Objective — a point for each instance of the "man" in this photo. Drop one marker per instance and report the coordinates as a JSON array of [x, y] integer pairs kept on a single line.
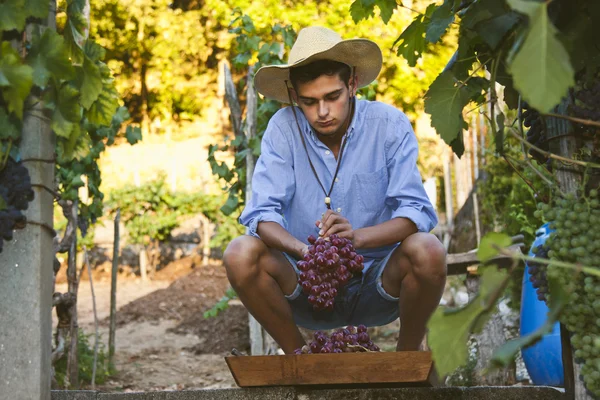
[[348, 167]]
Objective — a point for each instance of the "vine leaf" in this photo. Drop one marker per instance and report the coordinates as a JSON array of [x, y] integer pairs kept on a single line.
[[411, 42], [450, 329], [91, 82], [37, 8], [386, 9], [444, 101], [16, 78], [48, 57], [491, 20], [76, 29], [541, 68], [559, 298], [490, 244], [441, 18], [9, 128], [13, 15], [102, 110], [133, 134], [360, 10]]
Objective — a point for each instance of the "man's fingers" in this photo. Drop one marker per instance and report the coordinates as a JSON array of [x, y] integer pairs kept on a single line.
[[339, 229], [332, 220]]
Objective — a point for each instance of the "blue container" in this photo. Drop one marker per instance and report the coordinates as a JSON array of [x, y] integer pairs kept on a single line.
[[543, 360]]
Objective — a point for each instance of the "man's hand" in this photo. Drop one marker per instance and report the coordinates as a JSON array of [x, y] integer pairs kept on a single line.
[[333, 222]]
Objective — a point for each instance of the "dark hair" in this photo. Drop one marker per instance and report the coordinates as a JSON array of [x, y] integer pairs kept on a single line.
[[312, 71]]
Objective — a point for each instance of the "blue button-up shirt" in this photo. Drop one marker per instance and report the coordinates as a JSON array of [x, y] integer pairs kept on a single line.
[[378, 177]]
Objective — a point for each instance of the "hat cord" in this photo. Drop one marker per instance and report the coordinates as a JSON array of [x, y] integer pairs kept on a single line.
[[312, 167]]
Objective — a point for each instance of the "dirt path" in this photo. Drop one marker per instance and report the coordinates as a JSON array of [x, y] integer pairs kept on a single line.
[[163, 341]]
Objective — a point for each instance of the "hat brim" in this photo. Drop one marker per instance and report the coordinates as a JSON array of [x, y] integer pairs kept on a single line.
[[363, 54]]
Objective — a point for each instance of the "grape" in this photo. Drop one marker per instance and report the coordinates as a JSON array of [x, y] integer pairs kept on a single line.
[[15, 195], [576, 239], [538, 273], [325, 268], [344, 340]]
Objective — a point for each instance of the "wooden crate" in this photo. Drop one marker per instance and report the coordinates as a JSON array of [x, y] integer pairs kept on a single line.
[[407, 368]]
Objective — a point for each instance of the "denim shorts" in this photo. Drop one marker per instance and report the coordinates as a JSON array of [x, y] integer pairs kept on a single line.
[[362, 301]]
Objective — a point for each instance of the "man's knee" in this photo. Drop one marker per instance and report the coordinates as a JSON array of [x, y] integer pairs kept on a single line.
[[241, 259], [427, 255]]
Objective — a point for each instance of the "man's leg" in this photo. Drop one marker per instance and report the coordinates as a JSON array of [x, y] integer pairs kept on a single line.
[[416, 274], [262, 277]]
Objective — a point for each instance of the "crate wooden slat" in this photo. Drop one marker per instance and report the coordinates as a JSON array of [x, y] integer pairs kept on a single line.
[[407, 367]]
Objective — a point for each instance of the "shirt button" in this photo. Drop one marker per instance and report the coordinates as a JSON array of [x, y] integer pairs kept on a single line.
[[339, 210], [327, 152], [337, 179]]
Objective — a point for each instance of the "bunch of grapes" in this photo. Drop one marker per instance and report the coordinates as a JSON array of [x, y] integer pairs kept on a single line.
[[344, 340], [576, 239], [15, 195], [536, 134], [327, 267], [537, 272]]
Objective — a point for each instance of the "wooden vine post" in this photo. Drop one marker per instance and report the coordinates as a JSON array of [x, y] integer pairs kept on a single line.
[[260, 340]]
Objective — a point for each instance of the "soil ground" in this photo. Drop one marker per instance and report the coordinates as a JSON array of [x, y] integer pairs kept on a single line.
[[163, 342]]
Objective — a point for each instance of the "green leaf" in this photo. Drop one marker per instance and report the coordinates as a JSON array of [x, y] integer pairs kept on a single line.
[[488, 248], [541, 68], [491, 19], [13, 15], [499, 134], [559, 298], [91, 82], [386, 9], [444, 101], [75, 33], [68, 103], [441, 18], [449, 330], [133, 134], [60, 125], [16, 79], [231, 204], [3, 204], [94, 51], [48, 57], [37, 8], [360, 11], [411, 43], [102, 110], [9, 126]]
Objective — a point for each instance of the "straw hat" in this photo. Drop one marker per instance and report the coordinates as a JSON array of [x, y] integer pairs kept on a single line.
[[318, 43]]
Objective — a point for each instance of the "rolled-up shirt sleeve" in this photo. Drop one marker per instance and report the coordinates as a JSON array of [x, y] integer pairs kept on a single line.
[[272, 181], [406, 193]]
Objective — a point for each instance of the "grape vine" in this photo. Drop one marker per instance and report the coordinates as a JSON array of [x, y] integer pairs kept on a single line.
[[576, 239]]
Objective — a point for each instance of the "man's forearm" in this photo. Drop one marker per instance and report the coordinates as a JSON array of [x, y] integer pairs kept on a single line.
[[384, 234], [275, 236]]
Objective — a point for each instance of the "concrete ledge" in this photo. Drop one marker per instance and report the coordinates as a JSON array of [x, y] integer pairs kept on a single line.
[[298, 393]]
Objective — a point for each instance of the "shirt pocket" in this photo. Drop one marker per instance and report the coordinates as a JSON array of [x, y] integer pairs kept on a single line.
[[371, 190]]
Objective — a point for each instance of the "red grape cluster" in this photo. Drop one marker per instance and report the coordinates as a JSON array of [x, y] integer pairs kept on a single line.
[[326, 268], [345, 340]]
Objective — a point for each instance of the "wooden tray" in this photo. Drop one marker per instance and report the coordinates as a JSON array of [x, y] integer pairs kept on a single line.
[[407, 368]]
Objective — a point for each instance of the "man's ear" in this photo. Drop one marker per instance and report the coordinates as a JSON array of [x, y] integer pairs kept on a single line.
[[352, 86]]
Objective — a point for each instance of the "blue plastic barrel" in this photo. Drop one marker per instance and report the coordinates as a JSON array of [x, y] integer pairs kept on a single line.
[[543, 360]]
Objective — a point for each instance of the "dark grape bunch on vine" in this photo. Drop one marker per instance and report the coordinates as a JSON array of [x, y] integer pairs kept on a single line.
[[536, 134], [344, 340], [326, 268], [587, 106], [537, 272], [15, 195], [576, 239]]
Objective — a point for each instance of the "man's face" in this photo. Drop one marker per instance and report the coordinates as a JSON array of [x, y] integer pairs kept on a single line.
[[325, 103]]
